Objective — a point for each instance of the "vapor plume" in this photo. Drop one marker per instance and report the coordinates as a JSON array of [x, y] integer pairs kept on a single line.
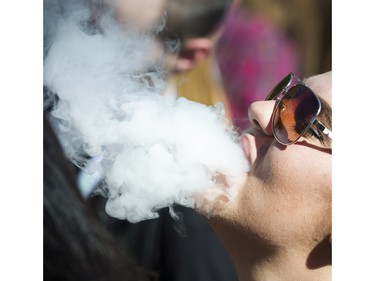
[[106, 84]]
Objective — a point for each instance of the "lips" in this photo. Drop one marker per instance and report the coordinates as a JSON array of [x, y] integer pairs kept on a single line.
[[246, 146]]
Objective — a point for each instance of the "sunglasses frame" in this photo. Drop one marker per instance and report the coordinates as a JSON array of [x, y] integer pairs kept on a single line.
[[278, 93]]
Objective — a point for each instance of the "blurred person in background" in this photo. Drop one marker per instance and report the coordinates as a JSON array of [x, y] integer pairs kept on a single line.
[[186, 249]]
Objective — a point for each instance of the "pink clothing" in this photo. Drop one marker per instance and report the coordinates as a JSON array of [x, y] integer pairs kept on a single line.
[[253, 56]]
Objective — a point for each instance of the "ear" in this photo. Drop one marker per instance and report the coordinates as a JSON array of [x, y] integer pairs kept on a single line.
[[193, 52]]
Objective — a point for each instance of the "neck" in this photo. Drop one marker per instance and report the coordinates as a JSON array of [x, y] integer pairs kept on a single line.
[[256, 260], [280, 265]]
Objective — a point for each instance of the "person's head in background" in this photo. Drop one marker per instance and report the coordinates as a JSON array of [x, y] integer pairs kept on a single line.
[[196, 24], [193, 72], [185, 28], [185, 33], [278, 226]]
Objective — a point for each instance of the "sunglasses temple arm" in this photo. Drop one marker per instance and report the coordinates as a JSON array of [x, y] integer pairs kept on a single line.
[[323, 128], [327, 132]]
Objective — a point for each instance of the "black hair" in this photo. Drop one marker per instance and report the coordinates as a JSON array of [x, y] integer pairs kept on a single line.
[[76, 245], [193, 18]]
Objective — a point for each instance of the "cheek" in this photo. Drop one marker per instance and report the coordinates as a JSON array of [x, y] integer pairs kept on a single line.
[[295, 170], [287, 193]]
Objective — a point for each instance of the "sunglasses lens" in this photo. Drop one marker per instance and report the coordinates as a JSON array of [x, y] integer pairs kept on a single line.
[[294, 113], [279, 87]]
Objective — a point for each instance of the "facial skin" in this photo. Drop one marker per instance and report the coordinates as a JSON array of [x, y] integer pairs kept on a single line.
[[142, 14], [278, 227]]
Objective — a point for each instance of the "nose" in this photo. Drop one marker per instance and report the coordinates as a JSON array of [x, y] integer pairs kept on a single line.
[[260, 114], [259, 132]]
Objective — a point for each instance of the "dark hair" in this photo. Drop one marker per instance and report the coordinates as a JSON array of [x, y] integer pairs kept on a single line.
[[193, 18], [76, 244]]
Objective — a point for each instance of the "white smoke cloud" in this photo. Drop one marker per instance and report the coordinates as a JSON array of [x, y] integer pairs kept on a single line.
[[155, 151]]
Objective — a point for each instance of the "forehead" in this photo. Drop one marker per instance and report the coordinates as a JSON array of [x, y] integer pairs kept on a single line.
[[322, 85]]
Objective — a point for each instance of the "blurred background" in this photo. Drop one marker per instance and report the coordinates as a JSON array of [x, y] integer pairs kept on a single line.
[[260, 42], [308, 23]]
